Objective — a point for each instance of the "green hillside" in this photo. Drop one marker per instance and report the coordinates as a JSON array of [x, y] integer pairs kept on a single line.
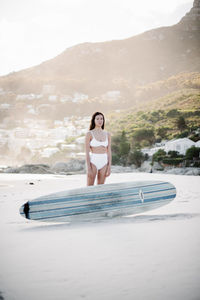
[[177, 114]]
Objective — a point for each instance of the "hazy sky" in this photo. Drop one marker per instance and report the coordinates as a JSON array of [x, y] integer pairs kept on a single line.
[[32, 31]]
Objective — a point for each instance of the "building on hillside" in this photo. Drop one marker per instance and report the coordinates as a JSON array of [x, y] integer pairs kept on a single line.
[[47, 152], [79, 97], [21, 133], [111, 95], [179, 145], [197, 144], [80, 140], [66, 98], [62, 132], [151, 151], [5, 106], [48, 89], [52, 98], [68, 147], [58, 123], [2, 91], [26, 97]]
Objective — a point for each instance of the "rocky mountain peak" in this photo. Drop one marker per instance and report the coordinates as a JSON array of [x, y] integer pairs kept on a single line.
[[191, 21], [196, 3]]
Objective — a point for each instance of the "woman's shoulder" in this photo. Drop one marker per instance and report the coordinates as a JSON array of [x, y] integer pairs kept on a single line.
[[107, 133], [89, 133]]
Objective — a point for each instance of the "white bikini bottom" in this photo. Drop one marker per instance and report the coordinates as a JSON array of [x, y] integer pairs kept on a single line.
[[99, 160]]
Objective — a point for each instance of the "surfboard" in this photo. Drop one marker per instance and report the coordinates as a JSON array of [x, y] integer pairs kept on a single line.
[[100, 201]]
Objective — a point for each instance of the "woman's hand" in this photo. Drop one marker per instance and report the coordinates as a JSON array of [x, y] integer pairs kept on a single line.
[[89, 172], [108, 171]]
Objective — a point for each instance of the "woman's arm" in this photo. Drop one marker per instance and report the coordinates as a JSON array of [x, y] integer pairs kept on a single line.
[[109, 156]]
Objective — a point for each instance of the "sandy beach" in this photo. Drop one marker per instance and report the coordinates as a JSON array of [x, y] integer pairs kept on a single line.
[[154, 255]]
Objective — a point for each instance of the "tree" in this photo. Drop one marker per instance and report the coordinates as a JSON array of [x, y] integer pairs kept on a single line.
[[115, 158], [143, 134], [120, 148], [124, 146], [162, 132], [193, 152], [136, 157], [180, 123], [172, 113], [115, 144]]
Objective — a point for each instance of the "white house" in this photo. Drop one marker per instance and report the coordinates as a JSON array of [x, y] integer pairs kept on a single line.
[[66, 98], [52, 98], [58, 123], [48, 89], [5, 106], [111, 95], [47, 152], [80, 140], [68, 147], [180, 145], [197, 144], [21, 132], [151, 151], [26, 97], [62, 132], [79, 97]]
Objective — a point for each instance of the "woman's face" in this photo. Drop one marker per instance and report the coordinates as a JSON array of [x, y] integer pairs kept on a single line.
[[99, 120]]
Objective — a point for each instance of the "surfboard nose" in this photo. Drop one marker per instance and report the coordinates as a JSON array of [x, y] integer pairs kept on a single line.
[[25, 210]]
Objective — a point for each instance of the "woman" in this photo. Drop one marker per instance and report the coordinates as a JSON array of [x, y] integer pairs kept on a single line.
[[98, 150]]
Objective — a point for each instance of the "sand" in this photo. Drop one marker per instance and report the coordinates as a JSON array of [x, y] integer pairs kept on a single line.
[[154, 255]]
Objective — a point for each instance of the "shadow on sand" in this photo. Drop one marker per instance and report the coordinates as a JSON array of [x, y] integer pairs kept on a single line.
[[111, 221], [1, 296]]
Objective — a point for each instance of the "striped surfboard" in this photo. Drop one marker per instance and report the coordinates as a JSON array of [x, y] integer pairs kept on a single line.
[[96, 202]]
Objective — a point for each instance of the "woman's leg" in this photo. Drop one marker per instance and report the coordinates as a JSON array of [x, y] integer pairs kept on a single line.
[[101, 177], [91, 178]]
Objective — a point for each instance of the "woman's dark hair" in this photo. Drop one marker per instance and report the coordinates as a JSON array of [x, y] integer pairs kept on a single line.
[[92, 123]]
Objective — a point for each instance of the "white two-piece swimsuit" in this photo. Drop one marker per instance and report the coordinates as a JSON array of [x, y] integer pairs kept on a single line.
[[98, 159]]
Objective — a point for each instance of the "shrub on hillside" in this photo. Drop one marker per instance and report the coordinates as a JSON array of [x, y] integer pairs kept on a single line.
[[193, 152], [172, 161], [174, 154], [183, 134], [162, 132], [172, 113], [159, 155]]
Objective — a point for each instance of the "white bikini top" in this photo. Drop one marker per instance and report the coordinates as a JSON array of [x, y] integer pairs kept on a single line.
[[95, 143]]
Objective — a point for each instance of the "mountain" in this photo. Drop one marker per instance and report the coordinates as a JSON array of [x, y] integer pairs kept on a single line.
[[95, 68]]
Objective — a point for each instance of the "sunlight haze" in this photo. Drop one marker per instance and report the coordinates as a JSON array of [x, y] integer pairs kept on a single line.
[[34, 31]]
